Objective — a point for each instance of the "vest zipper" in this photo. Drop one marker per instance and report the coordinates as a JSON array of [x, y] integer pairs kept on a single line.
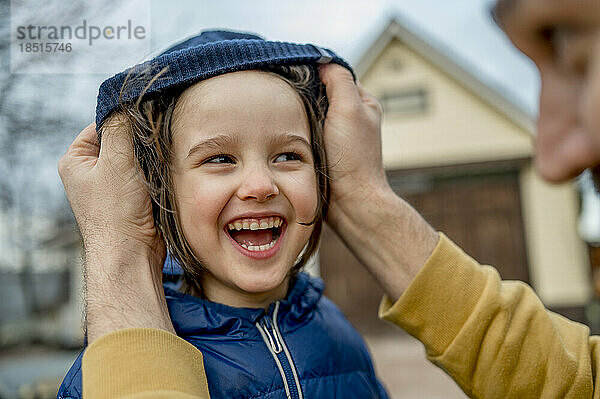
[[269, 330]]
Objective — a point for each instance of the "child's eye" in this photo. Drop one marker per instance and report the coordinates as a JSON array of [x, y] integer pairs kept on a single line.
[[288, 156], [220, 159]]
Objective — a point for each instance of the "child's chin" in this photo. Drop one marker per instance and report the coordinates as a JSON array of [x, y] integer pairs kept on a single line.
[[257, 285]]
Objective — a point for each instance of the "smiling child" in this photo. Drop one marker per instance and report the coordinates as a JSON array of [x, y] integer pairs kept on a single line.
[[244, 175], [227, 130]]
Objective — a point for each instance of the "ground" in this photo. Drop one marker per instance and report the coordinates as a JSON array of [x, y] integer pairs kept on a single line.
[[401, 366]]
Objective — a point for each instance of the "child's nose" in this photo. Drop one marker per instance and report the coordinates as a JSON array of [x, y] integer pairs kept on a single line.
[[258, 184]]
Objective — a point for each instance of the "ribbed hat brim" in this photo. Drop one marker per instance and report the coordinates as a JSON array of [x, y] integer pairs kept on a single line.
[[189, 65]]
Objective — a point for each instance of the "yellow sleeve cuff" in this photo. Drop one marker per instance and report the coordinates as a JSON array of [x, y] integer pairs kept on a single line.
[[143, 363]]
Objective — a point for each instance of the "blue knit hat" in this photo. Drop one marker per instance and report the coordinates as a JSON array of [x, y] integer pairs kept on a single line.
[[201, 57]]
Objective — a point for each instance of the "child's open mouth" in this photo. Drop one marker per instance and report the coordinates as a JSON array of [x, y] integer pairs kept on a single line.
[[256, 235]]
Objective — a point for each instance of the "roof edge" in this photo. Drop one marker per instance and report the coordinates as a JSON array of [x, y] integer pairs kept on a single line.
[[398, 28]]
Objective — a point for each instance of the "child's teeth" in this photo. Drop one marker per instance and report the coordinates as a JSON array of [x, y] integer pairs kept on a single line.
[[256, 248], [256, 224]]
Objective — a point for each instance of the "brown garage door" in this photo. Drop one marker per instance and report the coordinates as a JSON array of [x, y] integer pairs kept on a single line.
[[477, 206]]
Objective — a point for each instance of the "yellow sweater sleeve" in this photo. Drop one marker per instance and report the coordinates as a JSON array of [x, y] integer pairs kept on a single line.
[[143, 363], [494, 337]]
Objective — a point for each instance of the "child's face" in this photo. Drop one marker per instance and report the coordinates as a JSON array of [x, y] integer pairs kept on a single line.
[[242, 158]]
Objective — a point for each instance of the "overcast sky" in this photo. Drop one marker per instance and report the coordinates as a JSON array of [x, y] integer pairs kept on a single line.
[[463, 28]]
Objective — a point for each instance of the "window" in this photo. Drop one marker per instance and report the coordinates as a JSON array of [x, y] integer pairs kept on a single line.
[[395, 64], [405, 102]]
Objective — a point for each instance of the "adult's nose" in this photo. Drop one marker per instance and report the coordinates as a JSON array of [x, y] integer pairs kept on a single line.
[[257, 183], [564, 144]]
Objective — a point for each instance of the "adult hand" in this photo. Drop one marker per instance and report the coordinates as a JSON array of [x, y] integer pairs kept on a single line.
[[385, 233], [123, 250], [352, 136]]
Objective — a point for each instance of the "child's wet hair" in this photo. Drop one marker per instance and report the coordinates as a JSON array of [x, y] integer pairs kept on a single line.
[[149, 121]]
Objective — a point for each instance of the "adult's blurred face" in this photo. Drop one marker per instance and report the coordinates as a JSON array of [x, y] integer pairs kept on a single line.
[[562, 37]]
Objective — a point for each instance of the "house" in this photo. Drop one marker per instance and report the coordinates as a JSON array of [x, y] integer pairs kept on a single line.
[[461, 153]]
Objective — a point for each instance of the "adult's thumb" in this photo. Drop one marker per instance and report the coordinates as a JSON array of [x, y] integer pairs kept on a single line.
[[116, 147]]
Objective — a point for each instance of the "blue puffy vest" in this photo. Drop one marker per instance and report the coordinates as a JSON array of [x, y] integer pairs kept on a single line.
[[301, 347]]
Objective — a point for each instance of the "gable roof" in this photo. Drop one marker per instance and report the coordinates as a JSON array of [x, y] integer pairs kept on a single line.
[[433, 53]]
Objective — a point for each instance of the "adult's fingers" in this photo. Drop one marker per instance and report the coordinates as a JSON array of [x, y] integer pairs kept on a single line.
[[339, 85]]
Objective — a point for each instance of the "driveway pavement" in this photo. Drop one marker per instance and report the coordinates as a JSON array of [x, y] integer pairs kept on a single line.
[[401, 366]]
